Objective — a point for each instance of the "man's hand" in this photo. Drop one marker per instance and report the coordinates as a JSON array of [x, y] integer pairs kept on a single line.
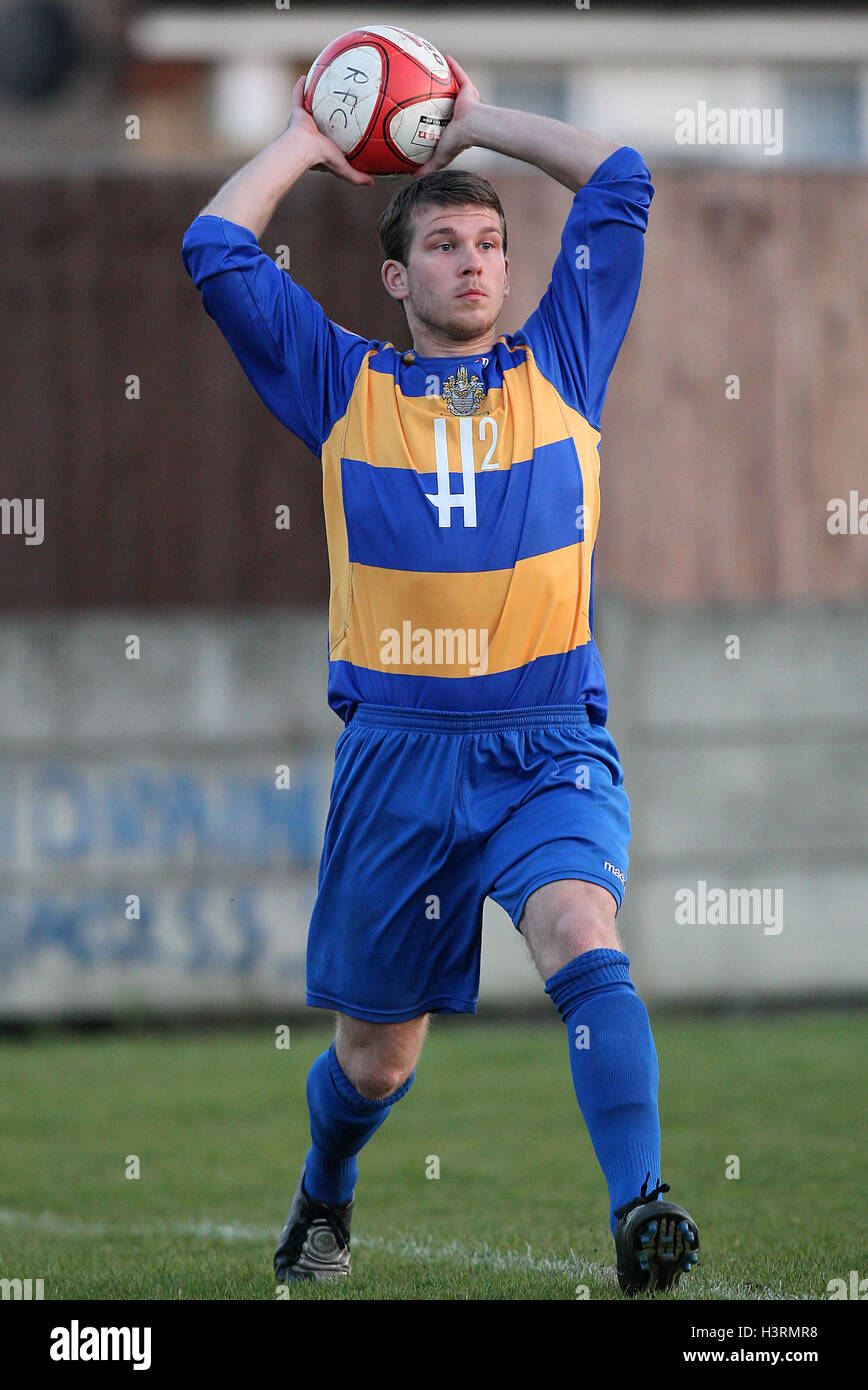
[[251, 195], [458, 134], [569, 155], [328, 157]]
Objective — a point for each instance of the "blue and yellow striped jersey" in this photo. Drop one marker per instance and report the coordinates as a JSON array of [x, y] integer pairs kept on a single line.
[[461, 494]]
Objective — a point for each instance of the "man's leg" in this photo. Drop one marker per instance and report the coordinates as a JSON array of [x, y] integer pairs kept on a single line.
[[569, 926], [350, 1090]]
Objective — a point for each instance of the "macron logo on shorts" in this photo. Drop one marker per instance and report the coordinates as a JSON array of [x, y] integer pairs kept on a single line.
[[617, 872]]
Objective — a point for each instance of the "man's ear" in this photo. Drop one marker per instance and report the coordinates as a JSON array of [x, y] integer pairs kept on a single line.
[[506, 275], [394, 276]]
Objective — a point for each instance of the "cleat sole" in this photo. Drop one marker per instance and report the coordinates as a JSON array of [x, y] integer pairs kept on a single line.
[[655, 1248]]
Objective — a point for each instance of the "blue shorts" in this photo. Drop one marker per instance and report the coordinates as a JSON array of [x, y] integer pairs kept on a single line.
[[430, 812]]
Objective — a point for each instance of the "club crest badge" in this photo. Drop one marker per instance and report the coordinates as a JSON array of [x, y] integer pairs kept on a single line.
[[463, 394]]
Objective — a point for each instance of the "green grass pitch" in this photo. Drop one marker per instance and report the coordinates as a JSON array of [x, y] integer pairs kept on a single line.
[[519, 1211]]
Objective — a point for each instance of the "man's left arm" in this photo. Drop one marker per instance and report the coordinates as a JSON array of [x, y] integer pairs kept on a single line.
[[564, 152]]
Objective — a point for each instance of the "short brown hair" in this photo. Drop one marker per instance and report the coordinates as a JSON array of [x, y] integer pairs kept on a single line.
[[444, 188]]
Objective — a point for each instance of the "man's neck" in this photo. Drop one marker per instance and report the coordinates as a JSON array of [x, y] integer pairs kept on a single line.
[[433, 351]]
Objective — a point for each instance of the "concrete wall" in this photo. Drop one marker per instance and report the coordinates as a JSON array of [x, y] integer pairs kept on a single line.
[[745, 772], [154, 779]]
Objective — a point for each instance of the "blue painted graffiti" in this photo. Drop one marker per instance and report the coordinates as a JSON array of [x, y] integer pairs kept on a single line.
[[89, 930], [74, 812]]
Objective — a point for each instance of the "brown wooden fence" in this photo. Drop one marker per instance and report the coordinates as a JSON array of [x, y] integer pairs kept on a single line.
[[170, 498]]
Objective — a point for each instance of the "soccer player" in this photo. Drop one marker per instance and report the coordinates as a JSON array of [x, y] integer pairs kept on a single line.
[[461, 494]]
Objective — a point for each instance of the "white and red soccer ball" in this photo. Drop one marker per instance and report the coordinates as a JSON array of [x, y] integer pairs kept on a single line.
[[383, 95]]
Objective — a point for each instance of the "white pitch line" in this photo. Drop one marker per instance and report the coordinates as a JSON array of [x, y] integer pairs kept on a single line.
[[403, 1245], [53, 1224], [406, 1246], [485, 1255]]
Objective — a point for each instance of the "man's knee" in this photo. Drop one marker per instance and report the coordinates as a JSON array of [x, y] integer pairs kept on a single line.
[[586, 928], [563, 920], [377, 1058], [372, 1077]]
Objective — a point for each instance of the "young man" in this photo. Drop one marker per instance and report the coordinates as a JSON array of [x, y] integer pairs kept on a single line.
[[460, 483]]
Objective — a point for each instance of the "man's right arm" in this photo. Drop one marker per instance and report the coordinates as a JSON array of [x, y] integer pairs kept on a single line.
[[250, 196], [301, 364]]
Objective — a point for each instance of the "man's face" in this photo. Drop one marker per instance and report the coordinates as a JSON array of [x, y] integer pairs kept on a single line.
[[456, 274]]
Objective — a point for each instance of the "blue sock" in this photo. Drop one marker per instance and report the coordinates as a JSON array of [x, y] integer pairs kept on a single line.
[[341, 1123], [615, 1072]]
